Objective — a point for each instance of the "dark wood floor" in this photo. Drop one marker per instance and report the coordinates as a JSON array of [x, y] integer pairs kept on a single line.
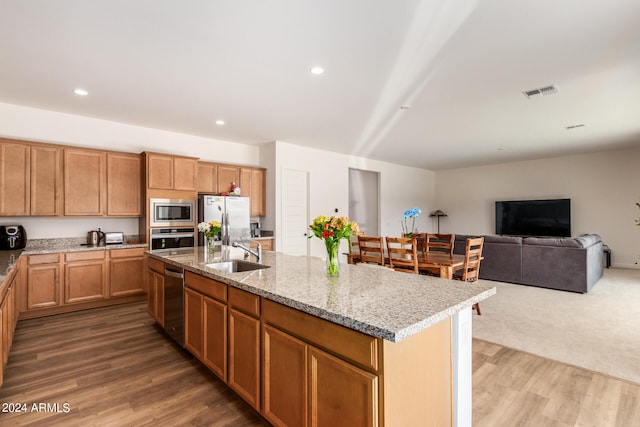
[[113, 366]]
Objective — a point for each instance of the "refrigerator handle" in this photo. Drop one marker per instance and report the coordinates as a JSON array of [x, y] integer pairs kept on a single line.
[[226, 229]]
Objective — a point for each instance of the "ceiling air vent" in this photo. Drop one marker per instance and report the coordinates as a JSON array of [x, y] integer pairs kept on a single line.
[[542, 91]]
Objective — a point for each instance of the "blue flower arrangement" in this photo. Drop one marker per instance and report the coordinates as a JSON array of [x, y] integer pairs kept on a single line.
[[411, 214]]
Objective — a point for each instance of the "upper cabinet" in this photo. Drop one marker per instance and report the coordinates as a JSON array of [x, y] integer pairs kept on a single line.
[[46, 180], [207, 178], [15, 186], [84, 182], [30, 179], [167, 172], [124, 184], [252, 184], [227, 176]]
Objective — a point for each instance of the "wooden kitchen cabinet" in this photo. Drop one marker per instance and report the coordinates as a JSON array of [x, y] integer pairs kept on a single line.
[[43, 281], [285, 385], [244, 345], [84, 182], [227, 175], [340, 393], [267, 244], [14, 179], [126, 271], [85, 276], [8, 320], [155, 290], [124, 184], [168, 172], [46, 180], [193, 322], [207, 178], [252, 184]]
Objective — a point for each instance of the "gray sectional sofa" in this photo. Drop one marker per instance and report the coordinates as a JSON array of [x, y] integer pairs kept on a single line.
[[568, 264]]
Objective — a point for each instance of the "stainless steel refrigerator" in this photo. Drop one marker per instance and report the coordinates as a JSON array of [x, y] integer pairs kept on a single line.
[[232, 212]]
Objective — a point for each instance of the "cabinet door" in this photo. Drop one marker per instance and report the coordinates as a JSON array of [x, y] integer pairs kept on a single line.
[[340, 393], [43, 286], [258, 184], [46, 180], [185, 173], [159, 171], [215, 337], [84, 182], [155, 296], [193, 322], [14, 179], [284, 379], [207, 178], [84, 277], [226, 176], [244, 356], [124, 182], [126, 274]]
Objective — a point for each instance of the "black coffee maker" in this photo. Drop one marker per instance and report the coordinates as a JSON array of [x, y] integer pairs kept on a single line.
[[12, 237]]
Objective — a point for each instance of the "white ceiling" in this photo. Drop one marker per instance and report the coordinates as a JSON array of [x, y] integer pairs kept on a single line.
[[461, 65]]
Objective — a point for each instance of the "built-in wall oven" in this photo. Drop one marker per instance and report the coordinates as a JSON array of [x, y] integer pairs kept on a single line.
[[172, 213], [172, 238]]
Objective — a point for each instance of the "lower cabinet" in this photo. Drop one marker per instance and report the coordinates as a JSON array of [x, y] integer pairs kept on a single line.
[[43, 281], [244, 356], [126, 272], [8, 319], [155, 290], [85, 277]]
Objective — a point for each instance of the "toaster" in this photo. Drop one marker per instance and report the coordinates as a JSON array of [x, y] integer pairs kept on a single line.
[[113, 238]]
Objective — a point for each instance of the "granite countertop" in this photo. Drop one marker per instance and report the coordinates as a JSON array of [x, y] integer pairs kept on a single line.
[[378, 302]]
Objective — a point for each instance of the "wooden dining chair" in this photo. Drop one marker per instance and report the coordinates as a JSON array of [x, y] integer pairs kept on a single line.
[[471, 267], [354, 257], [403, 254], [440, 243], [371, 249]]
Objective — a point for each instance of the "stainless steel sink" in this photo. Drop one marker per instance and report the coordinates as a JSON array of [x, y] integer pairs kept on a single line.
[[236, 266]]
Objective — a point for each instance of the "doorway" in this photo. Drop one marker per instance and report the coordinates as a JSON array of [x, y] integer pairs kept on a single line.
[[364, 200]]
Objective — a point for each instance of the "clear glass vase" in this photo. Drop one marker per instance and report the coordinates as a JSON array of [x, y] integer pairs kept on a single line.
[[333, 258], [209, 247]]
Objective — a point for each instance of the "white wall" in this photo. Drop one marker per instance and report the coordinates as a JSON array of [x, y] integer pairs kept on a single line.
[[401, 188], [47, 126], [603, 188]]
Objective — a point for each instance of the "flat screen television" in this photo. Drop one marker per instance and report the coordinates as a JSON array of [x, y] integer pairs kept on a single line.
[[534, 217]]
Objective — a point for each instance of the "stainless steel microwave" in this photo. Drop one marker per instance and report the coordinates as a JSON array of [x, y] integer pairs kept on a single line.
[[172, 212]]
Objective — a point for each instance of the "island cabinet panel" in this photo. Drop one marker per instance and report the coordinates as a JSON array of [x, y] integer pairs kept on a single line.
[[43, 281], [155, 290], [215, 337], [14, 179], [285, 379], [126, 272], [84, 182], [207, 178], [206, 322], [418, 377], [244, 346], [193, 322], [357, 347], [85, 277], [341, 394], [124, 185], [46, 181]]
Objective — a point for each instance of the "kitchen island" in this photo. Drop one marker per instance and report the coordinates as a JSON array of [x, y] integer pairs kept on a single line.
[[371, 347]]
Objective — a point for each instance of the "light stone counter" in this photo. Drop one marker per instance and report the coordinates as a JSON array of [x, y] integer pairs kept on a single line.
[[378, 302]]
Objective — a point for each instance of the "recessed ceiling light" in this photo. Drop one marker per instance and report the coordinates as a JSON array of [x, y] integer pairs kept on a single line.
[[317, 70], [81, 92], [220, 122]]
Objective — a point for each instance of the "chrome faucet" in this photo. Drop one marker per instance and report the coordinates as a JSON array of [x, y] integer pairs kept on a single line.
[[257, 253]]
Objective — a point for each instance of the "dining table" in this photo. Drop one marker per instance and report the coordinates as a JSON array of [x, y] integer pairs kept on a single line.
[[446, 263]]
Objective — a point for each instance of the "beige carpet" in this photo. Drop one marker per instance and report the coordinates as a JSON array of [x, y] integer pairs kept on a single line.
[[599, 330]]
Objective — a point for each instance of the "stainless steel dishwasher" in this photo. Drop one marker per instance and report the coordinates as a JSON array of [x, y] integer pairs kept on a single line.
[[174, 304]]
